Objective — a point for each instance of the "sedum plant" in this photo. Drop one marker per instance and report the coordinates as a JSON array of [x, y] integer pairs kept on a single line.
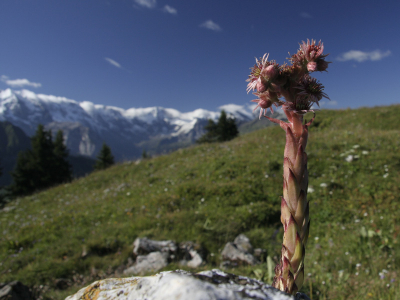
[[291, 87]]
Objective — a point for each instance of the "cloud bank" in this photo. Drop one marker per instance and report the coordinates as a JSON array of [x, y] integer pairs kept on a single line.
[[361, 56], [146, 3], [19, 82], [170, 10], [113, 62], [211, 25]]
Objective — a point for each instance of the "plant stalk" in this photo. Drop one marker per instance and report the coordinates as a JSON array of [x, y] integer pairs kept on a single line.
[[289, 272]]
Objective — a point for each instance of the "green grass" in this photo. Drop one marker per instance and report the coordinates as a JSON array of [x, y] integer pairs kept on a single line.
[[210, 193]]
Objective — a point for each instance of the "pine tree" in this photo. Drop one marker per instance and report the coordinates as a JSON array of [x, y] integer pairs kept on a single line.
[[227, 129], [62, 168], [211, 134], [24, 175], [105, 158], [43, 166], [224, 130]]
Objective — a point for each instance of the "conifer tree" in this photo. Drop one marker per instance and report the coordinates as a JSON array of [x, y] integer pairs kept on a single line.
[[43, 166], [105, 158], [224, 130], [62, 168], [211, 134]]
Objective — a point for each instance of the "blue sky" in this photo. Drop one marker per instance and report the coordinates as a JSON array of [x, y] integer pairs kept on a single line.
[[188, 54]]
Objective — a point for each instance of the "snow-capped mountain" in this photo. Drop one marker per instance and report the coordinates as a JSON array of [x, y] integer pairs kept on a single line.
[[87, 125]]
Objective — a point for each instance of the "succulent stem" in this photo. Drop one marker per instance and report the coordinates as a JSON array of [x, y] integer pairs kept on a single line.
[[289, 273]]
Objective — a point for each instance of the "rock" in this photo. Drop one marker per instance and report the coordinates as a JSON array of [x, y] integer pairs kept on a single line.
[[15, 291], [242, 242], [192, 254], [237, 254], [145, 246], [152, 262], [196, 260], [207, 285]]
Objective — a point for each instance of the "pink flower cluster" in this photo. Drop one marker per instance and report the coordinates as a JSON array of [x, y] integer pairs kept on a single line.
[[273, 82]]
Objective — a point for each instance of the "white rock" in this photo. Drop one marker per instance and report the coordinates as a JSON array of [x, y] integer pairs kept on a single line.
[[145, 246], [152, 262], [207, 285], [196, 260]]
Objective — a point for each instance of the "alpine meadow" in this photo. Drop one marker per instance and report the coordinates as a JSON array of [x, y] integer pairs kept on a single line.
[[210, 193]]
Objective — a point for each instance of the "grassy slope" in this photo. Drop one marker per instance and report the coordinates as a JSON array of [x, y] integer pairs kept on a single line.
[[355, 218]]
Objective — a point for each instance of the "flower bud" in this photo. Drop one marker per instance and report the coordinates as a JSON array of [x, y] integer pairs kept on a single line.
[[269, 72], [312, 66], [260, 86]]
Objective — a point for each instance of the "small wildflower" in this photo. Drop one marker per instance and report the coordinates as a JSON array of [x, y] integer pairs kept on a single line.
[[365, 214], [358, 265], [349, 158], [356, 146], [364, 152], [346, 253], [385, 175], [310, 189], [357, 221], [316, 238], [323, 185]]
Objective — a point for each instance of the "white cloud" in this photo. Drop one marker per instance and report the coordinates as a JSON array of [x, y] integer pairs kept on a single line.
[[113, 62], [19, 82], [361, 56], [325, 103], [170, 10], [211, 25], [305, 15], [146, 3]]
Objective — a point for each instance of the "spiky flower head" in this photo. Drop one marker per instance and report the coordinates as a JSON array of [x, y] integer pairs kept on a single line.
[[262, 73], [310, 56], [266, 100], [311, 90], [312, 51], [291, 82]]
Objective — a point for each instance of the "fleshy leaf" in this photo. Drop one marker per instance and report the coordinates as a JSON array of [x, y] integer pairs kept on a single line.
[[304, 138], [299, 277], [298, 254], [297, 125], [304, 181], [299, 166], [301, 208], [290, 235], [285, 213], [305, 233], [293, 191], [290, 147], [287, 165]]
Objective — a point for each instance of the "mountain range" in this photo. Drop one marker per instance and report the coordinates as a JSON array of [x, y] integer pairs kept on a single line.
[[128, 132]]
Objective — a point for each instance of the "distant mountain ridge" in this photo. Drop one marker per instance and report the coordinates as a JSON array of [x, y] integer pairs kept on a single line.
[[128, 132]]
